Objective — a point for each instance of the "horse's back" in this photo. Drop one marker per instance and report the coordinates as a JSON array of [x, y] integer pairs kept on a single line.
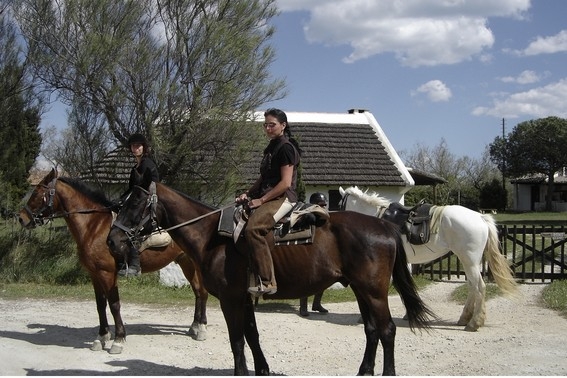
[[460, 223]]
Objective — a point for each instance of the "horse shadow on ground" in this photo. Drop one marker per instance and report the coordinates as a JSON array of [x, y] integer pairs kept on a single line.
[[134, 367], [346, 319], [82, 337]]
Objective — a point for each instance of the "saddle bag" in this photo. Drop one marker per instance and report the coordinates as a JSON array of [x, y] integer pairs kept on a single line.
[[418, 226], [413, 222]]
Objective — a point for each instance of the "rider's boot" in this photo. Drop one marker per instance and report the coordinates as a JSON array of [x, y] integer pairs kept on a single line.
[[133, 266], [316, 306]]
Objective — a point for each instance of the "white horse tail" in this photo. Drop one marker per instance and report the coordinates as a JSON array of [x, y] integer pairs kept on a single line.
[[497, 263]]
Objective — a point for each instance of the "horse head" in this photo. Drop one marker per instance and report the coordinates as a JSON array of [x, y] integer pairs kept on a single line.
[[40, 204], [136, 219]]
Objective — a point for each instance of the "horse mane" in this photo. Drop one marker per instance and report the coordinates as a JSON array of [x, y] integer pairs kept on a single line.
[[95, 195], [372, 198], [192, 199]]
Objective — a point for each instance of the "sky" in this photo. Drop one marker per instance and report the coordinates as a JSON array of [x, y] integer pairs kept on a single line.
[[428, 70]]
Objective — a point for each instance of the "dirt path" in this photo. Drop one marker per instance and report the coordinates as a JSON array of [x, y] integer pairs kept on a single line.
[[53, 338]]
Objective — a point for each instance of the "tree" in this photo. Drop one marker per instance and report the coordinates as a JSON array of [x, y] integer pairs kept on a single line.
[[533, 147], [81, 145], [465, 176], [20, 114], [186, 73]]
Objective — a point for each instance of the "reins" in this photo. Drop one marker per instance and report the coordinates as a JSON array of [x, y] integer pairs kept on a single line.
[[132, 233]]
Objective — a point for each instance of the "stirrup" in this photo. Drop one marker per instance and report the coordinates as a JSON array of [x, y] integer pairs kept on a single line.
[[257, 290]]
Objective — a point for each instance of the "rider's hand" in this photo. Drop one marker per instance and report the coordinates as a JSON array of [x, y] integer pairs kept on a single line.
[[257, 202], [243, 198]]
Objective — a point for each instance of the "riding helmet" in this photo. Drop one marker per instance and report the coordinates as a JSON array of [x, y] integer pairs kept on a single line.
[[318, 198], [137, 138]]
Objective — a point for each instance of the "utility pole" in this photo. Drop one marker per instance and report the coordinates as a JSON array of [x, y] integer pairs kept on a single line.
[[503, 161]]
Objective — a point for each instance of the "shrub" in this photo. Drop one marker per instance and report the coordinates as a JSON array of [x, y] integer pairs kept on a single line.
[[45, 254]]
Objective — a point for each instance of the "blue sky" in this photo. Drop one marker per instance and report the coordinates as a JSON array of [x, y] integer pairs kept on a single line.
[[426, 69]]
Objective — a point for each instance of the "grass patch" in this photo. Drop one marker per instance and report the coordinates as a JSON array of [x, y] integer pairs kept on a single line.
[[460, 294], [554, 296], [530, 217], [146, 289]]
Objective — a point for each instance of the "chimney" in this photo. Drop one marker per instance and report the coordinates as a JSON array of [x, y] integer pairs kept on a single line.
[[355, 110]]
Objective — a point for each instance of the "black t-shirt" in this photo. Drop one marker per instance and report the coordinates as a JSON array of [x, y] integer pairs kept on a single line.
[[145, 164], [280, 152]]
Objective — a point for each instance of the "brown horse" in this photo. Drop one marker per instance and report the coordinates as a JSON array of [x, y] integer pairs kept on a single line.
[[89, 218], [350, 248]]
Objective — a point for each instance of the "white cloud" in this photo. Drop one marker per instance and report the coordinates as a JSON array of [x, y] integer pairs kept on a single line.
[[538, 102], [546, 45], [435, 90], [417, 32], [526, 77]]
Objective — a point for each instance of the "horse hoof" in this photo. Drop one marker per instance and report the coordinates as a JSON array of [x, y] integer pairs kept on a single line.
[[303, 312], [116, 348], [470, 328], [320, 309], [200, 332], [201, 336], [97, 346]]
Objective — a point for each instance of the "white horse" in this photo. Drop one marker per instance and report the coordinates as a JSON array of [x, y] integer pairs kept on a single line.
[[467, 233]]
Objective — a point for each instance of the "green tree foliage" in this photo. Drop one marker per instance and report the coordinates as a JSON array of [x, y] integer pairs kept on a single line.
[[533, 147], [493, 195], [187, 73], [20, 111], [465, 176]]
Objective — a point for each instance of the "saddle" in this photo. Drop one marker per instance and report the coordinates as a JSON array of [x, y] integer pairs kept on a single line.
[[157, 239], [414, 222], [296, 227]]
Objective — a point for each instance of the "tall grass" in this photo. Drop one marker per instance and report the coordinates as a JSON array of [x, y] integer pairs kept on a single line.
[[45, 255]]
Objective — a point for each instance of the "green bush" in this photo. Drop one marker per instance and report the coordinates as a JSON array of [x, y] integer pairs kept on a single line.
[[46, 255]]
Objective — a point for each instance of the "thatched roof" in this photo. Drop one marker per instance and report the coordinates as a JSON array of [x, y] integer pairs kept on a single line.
[[338, 149], [339, 154]]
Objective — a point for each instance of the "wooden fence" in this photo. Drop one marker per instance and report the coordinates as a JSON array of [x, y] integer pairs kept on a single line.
[[535, 252]]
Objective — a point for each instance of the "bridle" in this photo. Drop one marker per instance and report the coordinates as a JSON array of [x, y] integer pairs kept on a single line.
[[39, 218], [133, 233], [149, 215], [47, 213]]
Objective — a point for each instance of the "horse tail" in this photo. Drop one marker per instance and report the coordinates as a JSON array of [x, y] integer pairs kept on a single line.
[[497, 262], [417, 312]]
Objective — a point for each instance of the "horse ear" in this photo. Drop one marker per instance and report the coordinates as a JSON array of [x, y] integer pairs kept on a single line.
[[50, 176], [342, 191]]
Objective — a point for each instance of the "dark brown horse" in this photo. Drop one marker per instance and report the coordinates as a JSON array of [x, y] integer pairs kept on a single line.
[[350, 248], [89, 218]]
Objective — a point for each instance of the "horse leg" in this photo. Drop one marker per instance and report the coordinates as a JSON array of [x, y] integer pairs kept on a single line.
[[474, 312], [378, 326], [104, 335], [303, 307], [198, 329], [241, 323], [253, 339], [119, 330]]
